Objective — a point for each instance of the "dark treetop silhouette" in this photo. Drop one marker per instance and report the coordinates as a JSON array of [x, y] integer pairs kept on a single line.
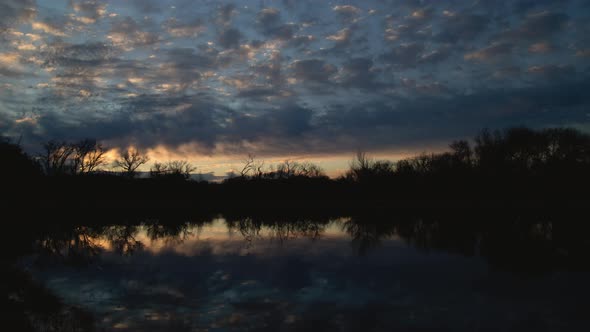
[[516, 166]]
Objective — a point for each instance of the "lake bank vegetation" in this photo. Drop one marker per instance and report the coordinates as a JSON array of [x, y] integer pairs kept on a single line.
[[513, 167]]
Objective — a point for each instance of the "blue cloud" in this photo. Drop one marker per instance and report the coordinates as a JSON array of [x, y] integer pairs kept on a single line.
[[289, 75]]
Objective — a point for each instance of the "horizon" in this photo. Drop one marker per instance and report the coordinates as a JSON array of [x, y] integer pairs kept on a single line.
[[213, 81]]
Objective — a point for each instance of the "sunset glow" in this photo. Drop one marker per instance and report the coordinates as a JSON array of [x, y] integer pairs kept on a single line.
[[213, 81]]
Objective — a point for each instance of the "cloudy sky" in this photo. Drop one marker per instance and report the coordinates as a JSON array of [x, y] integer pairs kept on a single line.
[[211, 81]]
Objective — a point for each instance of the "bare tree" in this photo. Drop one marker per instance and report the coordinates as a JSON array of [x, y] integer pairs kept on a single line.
[[309, 169], [362, 162], [359, 167], [252, 166], [172, 169], [462, 151], [248, 165], [158, 169], [258, 168], [94, 159], [56, 157], [290, 169], [130, 161], [180, 168], [363, 168], [87, 156]]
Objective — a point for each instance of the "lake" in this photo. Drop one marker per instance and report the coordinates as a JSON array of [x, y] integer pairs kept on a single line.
[[350, 273]]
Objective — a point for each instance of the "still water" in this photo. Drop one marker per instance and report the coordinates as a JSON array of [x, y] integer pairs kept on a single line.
[[336, 274]]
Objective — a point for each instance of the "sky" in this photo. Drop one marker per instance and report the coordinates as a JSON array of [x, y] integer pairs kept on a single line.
[[213, 81]]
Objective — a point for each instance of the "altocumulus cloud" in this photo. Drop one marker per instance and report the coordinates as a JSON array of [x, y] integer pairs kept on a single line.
[[289, 77]]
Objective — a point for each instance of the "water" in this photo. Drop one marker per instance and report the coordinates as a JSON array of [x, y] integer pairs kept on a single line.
[[332, 274]]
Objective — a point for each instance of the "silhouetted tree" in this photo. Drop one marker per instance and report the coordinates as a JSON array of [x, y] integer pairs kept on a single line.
[[252, 168], [15, 162], [88, 155], [461, 151], [56, 157], [527, 151], [248, 166], [311, 170], [258, 169], [292, 169], [176, 169], [130, 161], [158, 169], [360, 165], [363, 168]]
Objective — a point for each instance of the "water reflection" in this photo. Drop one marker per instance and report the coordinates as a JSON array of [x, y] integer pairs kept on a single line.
[[369, 272], [81, 245]]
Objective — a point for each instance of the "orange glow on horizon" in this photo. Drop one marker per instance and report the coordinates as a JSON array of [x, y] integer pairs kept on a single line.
[[221, 162]]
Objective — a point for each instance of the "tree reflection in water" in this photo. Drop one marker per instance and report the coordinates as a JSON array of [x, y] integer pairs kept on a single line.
[[527, 243]]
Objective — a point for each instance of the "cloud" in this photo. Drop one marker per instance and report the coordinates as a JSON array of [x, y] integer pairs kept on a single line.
[[541, 47], [439, 118], [88, 55], [298, 76], [347, 13], [177, 28], [537, 26], [508, 72], [50, 28], [269, 23], [527, 6], [301, 41], [422, 14], [92, 10], [149, 120], [283, 32], [146, 6], [16, 11], [314, 70], [461, 27], [491, 53], [416, 26], [404, 55], [421, 89], [271, 71], [360, 73], [225, 14], [268, 17], [436, 55], [127, 33], [78, 70], [552, 72], [230, 38], [350, 40], [183, 67], [203, 122], [188, 58], [10, 65], [341, 37], [283, 124], [257, 92]]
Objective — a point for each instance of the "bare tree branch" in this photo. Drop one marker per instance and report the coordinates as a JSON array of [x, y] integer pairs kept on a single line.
[[130, 161]]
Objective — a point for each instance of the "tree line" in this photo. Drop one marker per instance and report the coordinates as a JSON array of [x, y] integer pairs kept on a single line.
[[519, 151], [87, 156], [517, 162], [515, 150]]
